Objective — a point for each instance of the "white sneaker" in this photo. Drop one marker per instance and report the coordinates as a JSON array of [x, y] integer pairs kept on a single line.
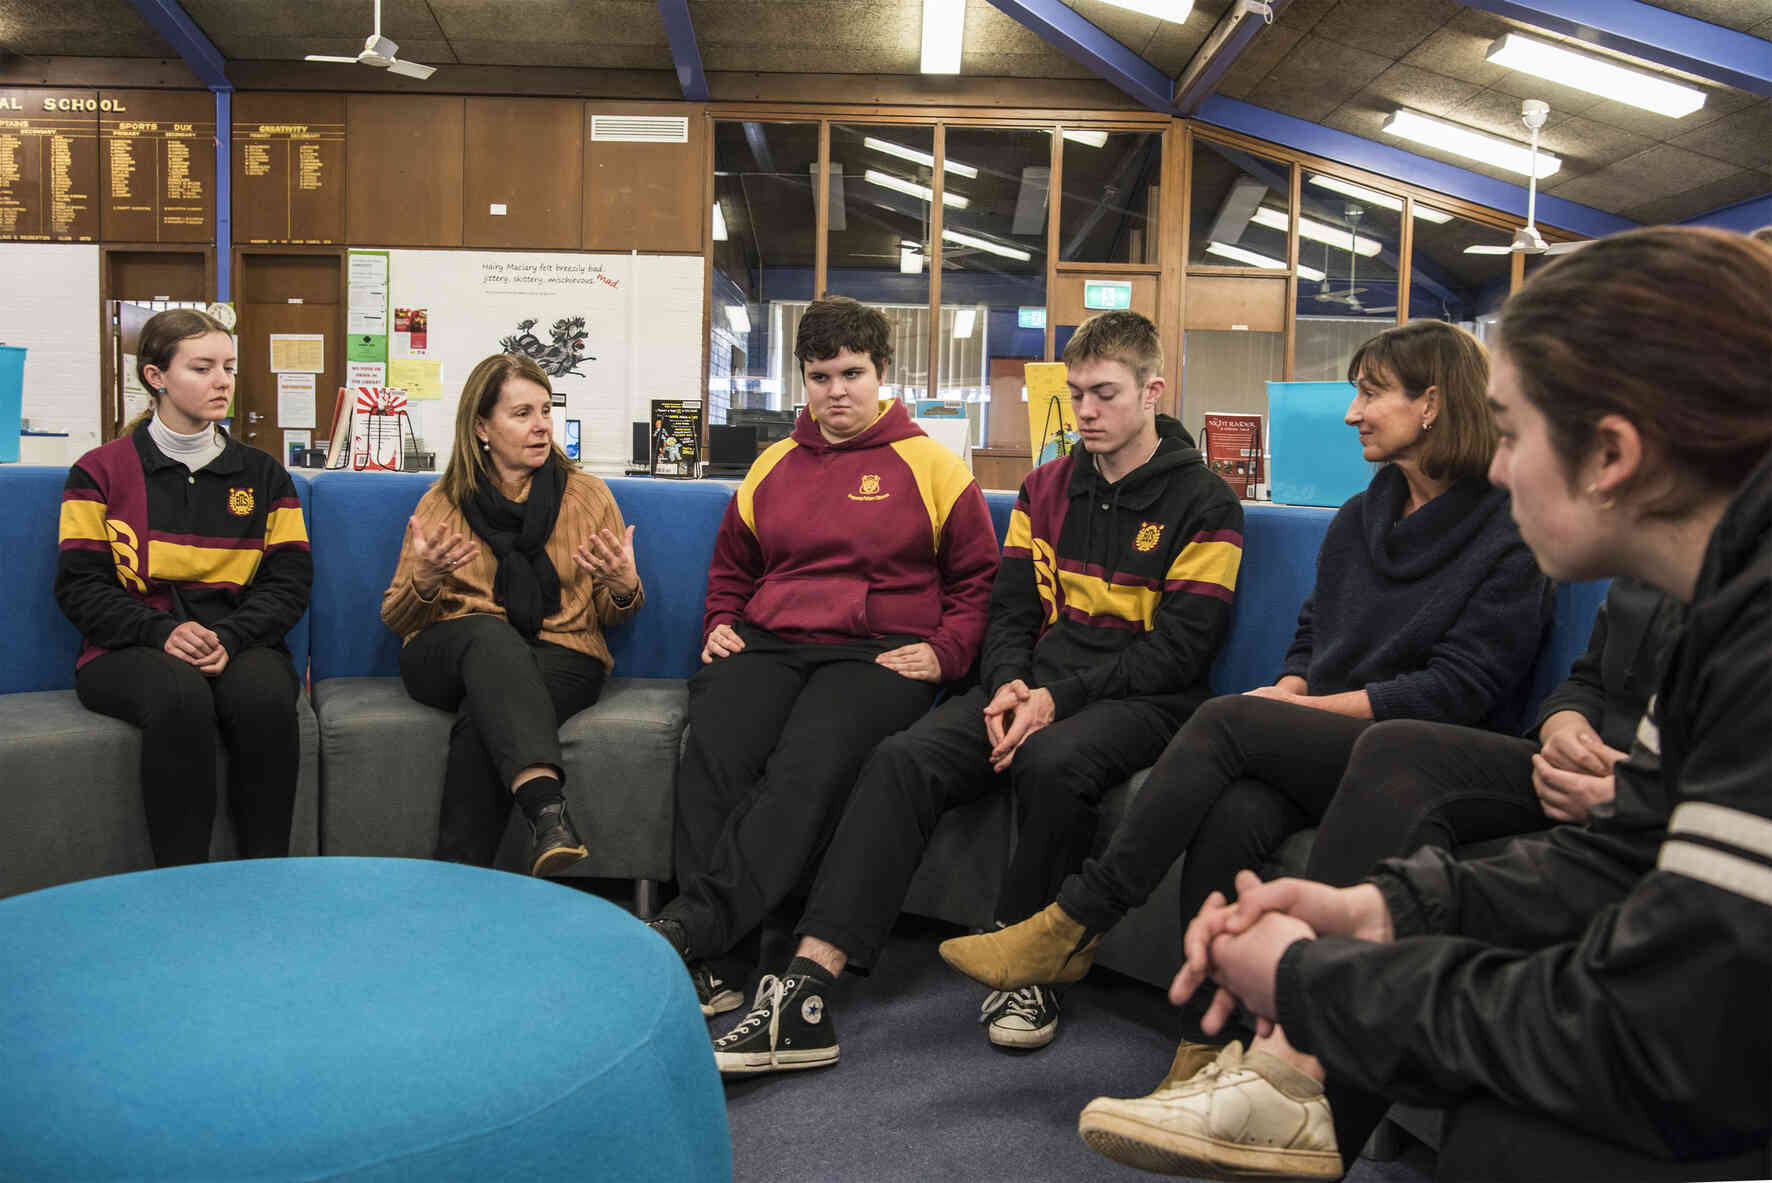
[[1024, 1018], [1240, 1117]]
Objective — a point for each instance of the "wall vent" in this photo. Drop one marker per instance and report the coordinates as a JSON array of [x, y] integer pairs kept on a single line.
[[641, 129]]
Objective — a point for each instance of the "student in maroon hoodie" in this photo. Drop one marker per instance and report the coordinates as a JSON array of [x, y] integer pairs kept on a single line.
[[851, 577]]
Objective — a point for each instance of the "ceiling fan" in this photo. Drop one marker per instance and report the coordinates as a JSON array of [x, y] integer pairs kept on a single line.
[[1527, 240], [1351, 297], [379, 51]]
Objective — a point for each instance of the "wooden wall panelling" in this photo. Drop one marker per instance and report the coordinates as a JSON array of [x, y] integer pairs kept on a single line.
[[1001, 468], [289, 168], [1233, 302], [405, 169], [645, 196], [266, 282], [1172, 255], [1067, 296], [528, 156], [157, 166]]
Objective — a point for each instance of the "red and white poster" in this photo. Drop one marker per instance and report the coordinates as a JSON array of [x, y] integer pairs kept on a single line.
[[1233, 450]]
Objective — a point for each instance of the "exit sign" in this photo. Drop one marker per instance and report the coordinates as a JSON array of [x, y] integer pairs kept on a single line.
[[1106, 295], [1030, 318]]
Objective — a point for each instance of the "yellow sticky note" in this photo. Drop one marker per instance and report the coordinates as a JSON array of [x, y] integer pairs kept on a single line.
[[419, 377], [1052, 426]]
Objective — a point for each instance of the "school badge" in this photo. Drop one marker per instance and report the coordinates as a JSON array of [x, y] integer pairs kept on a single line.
[[1149, 534], [240, 502], [869, 489]]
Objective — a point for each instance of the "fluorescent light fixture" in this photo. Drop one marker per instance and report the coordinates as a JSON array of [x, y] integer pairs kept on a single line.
[[1374, 197], [1094, 139], [910, 260], [1595, 75], [944, 27], [719, 224], [923, 158], [1310, 228], [738, 318], [1163, 10], [1511, 155], [964, 320], [985, 244], [1226, 250], [888, 181]]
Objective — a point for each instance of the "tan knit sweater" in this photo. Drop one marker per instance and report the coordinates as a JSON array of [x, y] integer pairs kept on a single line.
[[586, 606]]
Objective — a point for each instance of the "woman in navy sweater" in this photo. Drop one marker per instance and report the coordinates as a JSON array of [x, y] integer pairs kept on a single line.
[[1427, 605]]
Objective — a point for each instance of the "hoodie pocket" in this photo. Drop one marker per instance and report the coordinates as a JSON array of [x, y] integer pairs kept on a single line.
[[812, 604]]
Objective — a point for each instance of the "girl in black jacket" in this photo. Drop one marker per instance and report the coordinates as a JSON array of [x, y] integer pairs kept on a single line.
[[1593, 1003], [183, 562]]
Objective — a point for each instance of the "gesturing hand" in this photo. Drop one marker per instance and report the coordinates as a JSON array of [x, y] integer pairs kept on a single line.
[[916, 661], [610, 561], [724, 641], [437, 554]]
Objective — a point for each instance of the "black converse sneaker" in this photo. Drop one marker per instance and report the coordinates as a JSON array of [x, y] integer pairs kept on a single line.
[[786, 1028], [1024, 1018], [715, 996]]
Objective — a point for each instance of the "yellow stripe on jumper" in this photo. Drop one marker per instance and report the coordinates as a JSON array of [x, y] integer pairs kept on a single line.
[[177, 562], [941, 477], [760, 470], [83, 520], [1095, 596], [1208, 562]]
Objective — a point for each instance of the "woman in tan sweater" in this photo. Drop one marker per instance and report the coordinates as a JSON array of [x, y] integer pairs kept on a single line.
[[512, 566]]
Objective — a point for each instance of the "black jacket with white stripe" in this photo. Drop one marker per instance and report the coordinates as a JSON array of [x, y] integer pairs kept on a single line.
[[1616, 976]]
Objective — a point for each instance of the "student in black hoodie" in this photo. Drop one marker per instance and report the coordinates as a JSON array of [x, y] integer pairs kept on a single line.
[[1426, 606], [1113, 596], [1591, 1003]]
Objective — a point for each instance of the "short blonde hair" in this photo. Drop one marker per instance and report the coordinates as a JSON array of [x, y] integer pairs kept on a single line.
[[1126, 337]]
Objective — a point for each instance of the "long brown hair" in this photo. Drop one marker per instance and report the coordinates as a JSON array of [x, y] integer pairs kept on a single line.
[[1426, 353], [1669, 327], [468, 463], [158, 345]]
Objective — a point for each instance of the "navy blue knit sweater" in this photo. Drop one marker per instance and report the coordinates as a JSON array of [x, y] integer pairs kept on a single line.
[[1436, 616]]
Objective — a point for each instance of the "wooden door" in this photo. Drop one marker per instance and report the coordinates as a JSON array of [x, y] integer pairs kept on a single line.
[[279, 294]]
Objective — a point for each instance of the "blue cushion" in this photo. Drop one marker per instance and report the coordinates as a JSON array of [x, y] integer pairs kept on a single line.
[[1279, 569], [347, 1018], [359, 521], [40, 644], [1001, 505], [1577, 605]]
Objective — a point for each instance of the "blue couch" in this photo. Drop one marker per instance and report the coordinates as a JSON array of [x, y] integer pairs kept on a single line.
[[373, 759]]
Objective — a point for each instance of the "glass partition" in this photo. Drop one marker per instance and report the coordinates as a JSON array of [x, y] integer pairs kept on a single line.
[[1111, 195], [1238, 208], [1446, 282], [763, 254]]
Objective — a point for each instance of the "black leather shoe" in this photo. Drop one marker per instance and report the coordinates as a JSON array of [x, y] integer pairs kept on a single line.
[[554, 845]]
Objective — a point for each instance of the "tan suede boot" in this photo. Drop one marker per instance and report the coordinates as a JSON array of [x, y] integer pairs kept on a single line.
[[1045, 948]]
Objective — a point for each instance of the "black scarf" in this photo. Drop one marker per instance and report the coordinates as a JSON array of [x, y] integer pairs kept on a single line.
[[526, 584]]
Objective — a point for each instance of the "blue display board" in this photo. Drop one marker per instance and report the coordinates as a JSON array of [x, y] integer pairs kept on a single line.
[[1316, 456], [12, 400]]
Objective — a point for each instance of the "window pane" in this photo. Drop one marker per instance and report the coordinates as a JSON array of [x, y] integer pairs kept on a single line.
[[993, 278], [1348, 242], [1111, 194], [1446, 283], [763, 202], [882, 180], [1228, 371], [1228, 187]]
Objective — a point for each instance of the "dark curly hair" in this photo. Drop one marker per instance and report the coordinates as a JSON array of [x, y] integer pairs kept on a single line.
[[835, 323]]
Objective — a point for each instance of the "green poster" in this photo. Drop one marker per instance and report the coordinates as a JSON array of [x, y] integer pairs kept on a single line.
[[366, 316]]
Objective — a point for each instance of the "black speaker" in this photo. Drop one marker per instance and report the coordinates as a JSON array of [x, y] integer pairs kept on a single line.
[[642, 444]]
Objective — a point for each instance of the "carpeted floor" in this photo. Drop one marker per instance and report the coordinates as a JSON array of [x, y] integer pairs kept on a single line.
[[920, 1094]]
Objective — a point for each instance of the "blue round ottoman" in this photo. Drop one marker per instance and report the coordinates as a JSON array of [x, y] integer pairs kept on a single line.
[[347, 1018]]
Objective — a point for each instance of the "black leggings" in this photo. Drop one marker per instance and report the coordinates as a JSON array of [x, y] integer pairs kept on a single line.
[[183, 714], [512, 696]]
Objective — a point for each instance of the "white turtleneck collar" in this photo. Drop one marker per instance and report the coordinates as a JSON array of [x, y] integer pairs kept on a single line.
[[193, 451]]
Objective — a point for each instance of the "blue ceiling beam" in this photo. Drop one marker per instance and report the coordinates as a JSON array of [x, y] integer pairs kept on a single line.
[[1653, 34], [1061, 27], [1234, 33], [1387, 161], [175, 24], [684, 51]]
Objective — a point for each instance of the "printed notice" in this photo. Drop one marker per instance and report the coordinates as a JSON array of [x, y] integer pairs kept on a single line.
[[295, 400], [366, 373], [420, 378], [298, 353]]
